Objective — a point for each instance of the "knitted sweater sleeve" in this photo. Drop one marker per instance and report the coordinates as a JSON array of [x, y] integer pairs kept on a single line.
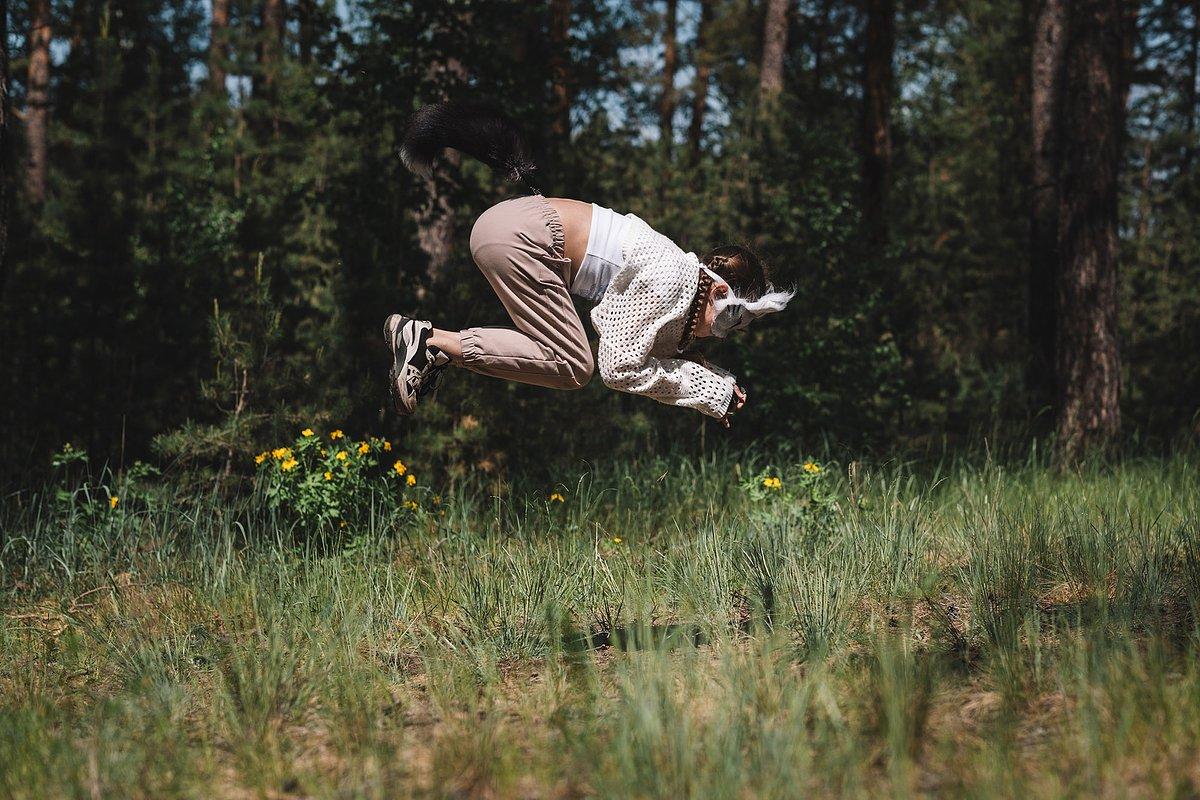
[[639, 304]]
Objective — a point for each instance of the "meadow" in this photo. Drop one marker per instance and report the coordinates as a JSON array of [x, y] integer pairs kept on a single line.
[[725, 627]]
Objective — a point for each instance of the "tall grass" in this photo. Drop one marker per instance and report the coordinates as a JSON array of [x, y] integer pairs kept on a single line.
[[967, 628]]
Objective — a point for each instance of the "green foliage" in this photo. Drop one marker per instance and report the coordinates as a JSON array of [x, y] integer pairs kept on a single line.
[[322, 483], [213, 263], [806, 488]]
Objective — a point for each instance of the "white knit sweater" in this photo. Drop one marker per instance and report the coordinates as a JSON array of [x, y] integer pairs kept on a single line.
[[641, 319]]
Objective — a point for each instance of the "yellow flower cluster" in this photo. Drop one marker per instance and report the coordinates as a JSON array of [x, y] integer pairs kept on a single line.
[[399, 467], [335, 435], [328, 475], [289, 465], [112, 501], [775, 484], [363, 448], [387, 446], [411, 480], [341, 455], [281, 453], [811, 467], [411, 505], [306, 433], [557, 498]]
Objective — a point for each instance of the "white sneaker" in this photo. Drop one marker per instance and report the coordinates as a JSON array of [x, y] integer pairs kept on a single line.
[[416, 366]]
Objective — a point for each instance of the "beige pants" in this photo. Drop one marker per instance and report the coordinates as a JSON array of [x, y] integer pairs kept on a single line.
[[518, 245]]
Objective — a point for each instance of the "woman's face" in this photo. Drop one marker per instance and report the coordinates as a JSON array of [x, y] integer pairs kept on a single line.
[[718, 290]]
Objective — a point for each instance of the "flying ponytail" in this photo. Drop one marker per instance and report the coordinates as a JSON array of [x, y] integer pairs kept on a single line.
[[478, 130]]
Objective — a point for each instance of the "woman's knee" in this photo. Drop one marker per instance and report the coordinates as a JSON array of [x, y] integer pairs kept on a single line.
[[582, 366]]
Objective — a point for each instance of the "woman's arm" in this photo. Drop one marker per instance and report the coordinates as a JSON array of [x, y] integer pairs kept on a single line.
[[629, 322]]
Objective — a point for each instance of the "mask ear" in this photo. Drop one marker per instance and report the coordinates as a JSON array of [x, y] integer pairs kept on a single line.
[[734, 313], [770, 303]]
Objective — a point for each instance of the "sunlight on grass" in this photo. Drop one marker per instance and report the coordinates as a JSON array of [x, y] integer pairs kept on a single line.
[[667, 630]]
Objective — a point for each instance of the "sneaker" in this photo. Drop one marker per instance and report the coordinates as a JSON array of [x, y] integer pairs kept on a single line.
[[416, 366]]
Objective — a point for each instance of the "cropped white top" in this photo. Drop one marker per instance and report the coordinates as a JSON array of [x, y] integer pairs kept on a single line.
[[604, 257]]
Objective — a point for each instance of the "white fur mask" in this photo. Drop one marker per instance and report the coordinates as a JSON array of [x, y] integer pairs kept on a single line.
[[735, 313]]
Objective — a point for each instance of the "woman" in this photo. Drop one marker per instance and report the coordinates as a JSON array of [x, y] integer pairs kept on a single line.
[[653, 301]]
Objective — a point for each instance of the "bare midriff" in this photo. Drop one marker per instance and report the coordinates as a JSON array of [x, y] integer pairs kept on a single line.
[[576, 217]]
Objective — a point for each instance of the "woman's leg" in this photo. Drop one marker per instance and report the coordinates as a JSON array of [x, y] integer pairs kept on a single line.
[[449, 342], [518, 246]]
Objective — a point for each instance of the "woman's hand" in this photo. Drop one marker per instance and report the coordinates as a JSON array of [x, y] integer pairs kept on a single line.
[[735, 404]]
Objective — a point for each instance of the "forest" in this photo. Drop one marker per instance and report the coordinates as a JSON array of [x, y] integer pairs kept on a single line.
[[984, 206], [948, 549]]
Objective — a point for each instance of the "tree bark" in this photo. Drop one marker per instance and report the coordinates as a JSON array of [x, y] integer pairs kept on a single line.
[[775, 36], [700, 86], [436, 219], [1189, 93], [306, 10], [270, 54], [878, 53], [37, 113], [1047, 66], [4, 173], [1088, 362], [666, 107], [218, 45], [560, 70]]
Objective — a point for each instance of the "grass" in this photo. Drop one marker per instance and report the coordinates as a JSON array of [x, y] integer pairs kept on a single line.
[[960, 630]]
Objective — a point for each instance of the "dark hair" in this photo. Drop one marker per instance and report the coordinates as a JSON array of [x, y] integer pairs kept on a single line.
[[740, 267]]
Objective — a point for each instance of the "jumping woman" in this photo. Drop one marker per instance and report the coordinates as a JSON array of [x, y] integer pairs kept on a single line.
[[653, 301]]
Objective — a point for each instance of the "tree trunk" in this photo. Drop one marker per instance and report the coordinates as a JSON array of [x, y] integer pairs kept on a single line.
[[560, 60], [37, 111], [4, 173], [877, 112], [1189, 93], [820, 47], [700, 86], [666, 108], [270, 53], [436, 220], [1088, 362], [306, 10], [218, 45], [1046, 67], [775, 35]]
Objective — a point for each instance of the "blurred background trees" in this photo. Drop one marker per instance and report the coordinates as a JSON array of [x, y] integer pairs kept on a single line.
[[986, 206]]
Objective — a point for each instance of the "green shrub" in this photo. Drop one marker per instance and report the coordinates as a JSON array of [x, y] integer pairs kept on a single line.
[[331, 480]]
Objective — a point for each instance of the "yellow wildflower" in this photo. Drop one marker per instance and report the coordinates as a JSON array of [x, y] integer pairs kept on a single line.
[[617, 540], [328, 475], [280, 453], [363, 448], [341, 523], [557, 498], [772, 483], [307, 432], [811, 468], [261, 457], [290, 464], [335, 435], [112, 501], [411, 505], [342, 455], [437, 499], [411, 480], [387, 446], [400, 468]]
